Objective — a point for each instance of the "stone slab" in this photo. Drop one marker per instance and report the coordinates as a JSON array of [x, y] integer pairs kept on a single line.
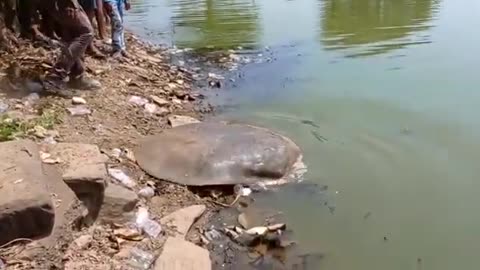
[[68, 208], [26, 208], [118, 205], [80, 162], [179, 254], [180, 120], [183, 219], [83, 169]]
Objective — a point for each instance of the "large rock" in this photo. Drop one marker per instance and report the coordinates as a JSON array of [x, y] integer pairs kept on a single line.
[[179, 254], [68, 208], [218, 154], [83, 169], [26, 209], [183, 219], [118, 205], [83, 166], [180, 120]]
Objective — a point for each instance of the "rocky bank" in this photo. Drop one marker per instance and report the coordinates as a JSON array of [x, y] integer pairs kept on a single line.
[[73, 196]]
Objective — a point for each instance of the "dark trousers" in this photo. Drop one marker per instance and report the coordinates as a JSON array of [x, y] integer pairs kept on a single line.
[[9, 8], [77, 34], [36, 18]]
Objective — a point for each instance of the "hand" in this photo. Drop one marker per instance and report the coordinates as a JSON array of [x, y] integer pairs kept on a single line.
[[128, 6]]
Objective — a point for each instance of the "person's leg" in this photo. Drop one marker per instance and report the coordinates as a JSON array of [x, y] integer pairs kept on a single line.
[[117, 25], [121, 11], [78, 34], [10, 11], [48, 20], [100, 19], [24, 11]]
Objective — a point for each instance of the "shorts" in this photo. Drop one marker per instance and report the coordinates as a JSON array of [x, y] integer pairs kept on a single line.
[[88, 4]]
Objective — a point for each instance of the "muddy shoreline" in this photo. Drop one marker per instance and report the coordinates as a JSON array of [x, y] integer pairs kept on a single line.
[[138, 98]]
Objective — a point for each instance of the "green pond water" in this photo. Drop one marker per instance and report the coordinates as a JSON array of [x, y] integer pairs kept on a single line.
[[383, 96]]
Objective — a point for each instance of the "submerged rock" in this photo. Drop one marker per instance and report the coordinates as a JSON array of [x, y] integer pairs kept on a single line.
[[183, 219], [218, 154], [180, 120]]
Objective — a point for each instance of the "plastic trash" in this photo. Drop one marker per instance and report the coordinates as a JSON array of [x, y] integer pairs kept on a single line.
[[212, 234], [150, 108], [79, 110], [140, 101], [151, 227], [148, 226], [3, 107], [32, 97], [146, 192], [242, 191], [245, 192], [121, 177], [78, 101], [140, 259], [49, 140], [116, 153], [216, 76]]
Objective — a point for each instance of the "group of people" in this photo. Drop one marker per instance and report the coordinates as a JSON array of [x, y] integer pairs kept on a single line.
[[69, 21]]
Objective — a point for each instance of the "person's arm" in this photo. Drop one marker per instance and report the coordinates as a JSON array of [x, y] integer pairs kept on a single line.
[[127, 4]]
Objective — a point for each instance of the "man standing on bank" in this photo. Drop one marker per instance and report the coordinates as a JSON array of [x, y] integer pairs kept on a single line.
[[116, 10]]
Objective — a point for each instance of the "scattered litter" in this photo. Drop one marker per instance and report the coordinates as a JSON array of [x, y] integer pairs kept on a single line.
[[244, 191], [18, 181], [128, 234], [151, 227], [3, 108], [140, 259], [142, 214], [49, 140], [150, 108], [121, 177], [79, 111], [47, 158], [140, 101], [31, 98], [146, 192], [143, 222], [116, 153], [215, 76], [78, 101], [212, 234]]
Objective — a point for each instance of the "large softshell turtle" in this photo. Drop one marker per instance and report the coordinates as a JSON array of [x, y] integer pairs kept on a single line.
[[217, 154]]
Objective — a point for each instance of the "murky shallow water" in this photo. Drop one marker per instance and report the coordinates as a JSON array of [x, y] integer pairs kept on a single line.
[[391, 87]]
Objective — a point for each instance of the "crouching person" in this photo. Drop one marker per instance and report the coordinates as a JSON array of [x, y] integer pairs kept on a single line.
[[77, 34]]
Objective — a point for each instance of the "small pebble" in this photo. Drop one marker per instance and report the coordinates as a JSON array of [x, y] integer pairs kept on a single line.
[[78, 101]]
